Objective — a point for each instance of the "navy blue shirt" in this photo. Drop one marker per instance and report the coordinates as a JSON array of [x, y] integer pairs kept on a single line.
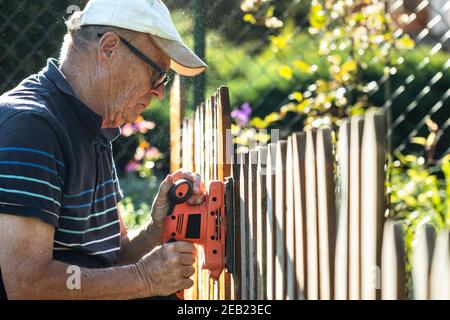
[[56, 165]]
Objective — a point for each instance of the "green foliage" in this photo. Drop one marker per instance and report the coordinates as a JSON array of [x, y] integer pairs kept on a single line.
[[355, 52], [419, 191], [139, 194], [419, 187], [260, 12], [349, 37]]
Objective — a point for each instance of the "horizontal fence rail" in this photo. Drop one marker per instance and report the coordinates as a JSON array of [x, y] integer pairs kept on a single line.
[[310, 214]]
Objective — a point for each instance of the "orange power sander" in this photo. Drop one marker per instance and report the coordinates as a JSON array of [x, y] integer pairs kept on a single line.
[[209, 225]]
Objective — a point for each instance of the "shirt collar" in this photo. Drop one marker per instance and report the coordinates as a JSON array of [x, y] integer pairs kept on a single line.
[[91, 120]]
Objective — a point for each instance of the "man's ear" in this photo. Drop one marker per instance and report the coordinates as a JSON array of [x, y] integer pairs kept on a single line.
[[108, 46]]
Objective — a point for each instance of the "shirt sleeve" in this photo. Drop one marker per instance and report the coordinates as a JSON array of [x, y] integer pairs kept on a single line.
[[31, 168]]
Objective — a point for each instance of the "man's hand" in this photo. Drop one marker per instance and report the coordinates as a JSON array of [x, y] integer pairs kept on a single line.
[[136, 244], [160, 206], [168, 268]]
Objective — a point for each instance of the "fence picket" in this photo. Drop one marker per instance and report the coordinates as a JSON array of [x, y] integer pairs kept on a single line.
[[326, 212], [373, 199], [280, 221], [177, 102], [223, 164], [341, 278], [421, 264], [261, 211], [252, 234], [393, 277], [245, 278], [238, 256], [312, 240], [290, 223], [440, 268], [299, 189], [197, 166], [356, 131], [270, 222]]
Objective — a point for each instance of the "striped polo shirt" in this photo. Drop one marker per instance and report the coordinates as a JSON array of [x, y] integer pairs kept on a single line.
[[56, 164]]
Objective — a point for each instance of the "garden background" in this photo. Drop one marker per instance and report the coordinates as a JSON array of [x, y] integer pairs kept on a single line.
[[288, 65]]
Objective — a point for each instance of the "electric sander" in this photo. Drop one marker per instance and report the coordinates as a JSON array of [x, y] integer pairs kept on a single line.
[[209, 225]]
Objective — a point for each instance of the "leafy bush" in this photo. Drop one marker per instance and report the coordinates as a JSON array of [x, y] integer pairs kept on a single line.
[[139, 195], [419, 190], [334, 70]]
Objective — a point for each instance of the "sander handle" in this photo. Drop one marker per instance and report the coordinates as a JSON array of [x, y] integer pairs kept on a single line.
[[179, 193]]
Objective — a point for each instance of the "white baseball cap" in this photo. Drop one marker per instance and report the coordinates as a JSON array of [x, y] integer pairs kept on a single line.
[[147, 16]]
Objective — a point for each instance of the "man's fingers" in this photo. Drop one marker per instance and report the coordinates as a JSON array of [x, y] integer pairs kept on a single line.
[[166, 184], [196, 200], [177, 174], [184, 247], [199, 194], [187, 271], [182, 174], [199, 187], [187, 259], [197, 184], [195, 178], [187, 283]]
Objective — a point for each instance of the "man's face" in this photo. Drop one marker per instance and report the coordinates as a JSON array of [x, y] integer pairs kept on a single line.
[[131, 81]]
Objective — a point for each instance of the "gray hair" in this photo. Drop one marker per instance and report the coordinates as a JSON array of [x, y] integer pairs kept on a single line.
[[81, 38]]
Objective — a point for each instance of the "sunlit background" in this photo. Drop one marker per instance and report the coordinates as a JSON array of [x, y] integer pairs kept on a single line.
[[288, 64]]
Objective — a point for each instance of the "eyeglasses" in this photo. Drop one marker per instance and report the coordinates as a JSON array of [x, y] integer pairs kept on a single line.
[[163, 76]]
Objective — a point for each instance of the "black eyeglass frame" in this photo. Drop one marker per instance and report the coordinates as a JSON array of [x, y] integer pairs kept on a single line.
[[163, 76]]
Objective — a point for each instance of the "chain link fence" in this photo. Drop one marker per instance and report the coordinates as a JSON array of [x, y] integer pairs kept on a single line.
[[413, 93], [429, 24], [32, 31]]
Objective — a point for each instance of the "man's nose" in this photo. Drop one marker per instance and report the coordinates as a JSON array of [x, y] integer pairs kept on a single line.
[[160, 92]]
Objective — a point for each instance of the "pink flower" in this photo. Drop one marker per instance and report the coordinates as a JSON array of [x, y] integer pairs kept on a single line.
[[128, 130], [145, 126], [139, 155], [152, 153], [132, 166], [141, 126]]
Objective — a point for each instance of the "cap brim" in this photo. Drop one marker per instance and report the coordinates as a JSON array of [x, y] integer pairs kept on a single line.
[[183, 60]]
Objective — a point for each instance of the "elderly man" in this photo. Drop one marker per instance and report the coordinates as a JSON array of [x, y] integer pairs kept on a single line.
[[58, 185]]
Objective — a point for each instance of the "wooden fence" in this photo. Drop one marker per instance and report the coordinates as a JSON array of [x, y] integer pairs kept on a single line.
[[198, 144], [309, 212]]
